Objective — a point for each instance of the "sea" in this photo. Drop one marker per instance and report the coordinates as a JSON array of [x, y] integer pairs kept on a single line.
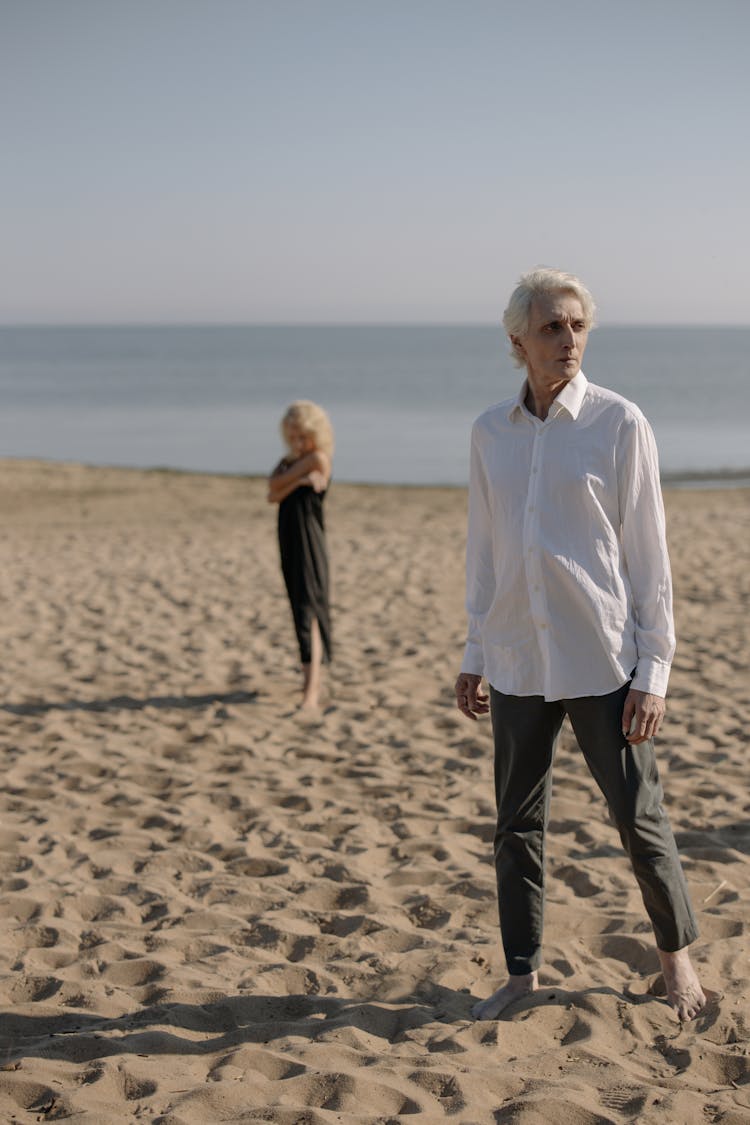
[[401, 397]]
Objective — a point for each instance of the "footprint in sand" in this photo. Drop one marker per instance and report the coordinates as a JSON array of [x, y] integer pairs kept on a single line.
[[133, 973]]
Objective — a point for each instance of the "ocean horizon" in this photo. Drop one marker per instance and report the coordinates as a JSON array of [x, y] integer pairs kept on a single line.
[[402, 398]]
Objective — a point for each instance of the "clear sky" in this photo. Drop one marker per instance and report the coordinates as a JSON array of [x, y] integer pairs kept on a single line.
[[371, 160]]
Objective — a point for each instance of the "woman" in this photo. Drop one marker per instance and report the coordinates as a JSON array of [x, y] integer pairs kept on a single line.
[[298, 485]]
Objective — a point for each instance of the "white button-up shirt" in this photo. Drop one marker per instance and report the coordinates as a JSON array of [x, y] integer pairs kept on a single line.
[[568, 586]]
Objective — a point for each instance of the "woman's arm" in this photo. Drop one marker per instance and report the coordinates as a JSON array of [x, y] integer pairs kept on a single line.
[[313, 469], [283, 464], [279, 492]]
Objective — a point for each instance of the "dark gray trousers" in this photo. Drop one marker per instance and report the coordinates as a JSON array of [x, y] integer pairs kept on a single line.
[[525, 731]]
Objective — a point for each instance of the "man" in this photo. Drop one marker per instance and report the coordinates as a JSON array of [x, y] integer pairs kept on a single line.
[[569, 602]]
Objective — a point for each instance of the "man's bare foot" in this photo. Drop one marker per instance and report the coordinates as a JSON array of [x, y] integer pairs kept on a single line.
[[684, 992], [516, 987], [309, 705]]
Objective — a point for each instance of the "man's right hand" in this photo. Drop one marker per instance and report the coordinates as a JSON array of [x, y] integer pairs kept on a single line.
[[469, 699]]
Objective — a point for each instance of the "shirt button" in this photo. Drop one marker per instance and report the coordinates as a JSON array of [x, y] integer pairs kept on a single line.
[[531, 509], [534, 469]]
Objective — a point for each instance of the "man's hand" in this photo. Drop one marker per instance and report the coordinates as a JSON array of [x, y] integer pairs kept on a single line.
[[469, 699], [643, 713]]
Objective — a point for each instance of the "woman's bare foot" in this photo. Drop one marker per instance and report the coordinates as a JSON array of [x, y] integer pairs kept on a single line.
[[516, 987], [684, 992], [311, 673]]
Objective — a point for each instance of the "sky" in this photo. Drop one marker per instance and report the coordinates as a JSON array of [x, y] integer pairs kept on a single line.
[[371, 161]]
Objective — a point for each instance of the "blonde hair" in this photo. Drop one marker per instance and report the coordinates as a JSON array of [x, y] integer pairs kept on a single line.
[[311, 419], [540, 281]]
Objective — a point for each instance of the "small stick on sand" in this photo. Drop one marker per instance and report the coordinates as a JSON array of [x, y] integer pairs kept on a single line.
[[716, 890]]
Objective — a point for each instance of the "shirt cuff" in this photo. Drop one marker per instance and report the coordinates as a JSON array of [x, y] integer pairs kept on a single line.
[[651, 676], [473, 661]]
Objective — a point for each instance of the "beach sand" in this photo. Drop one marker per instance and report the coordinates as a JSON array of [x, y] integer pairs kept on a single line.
[[212, 911]]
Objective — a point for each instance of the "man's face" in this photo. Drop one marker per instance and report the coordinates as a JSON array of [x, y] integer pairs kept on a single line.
[[554, 345]]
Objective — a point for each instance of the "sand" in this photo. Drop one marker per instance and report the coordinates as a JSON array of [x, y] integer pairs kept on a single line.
[[212, 911]]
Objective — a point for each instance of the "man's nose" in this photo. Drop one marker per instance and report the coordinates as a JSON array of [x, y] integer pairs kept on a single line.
[[569, 336]]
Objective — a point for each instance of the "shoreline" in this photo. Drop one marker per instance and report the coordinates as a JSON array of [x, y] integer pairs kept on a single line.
[[704, 479]]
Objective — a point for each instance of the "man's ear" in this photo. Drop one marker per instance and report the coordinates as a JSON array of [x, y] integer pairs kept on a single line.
[[516, 342]]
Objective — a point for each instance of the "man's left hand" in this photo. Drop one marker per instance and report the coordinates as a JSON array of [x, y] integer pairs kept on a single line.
[[642, 716]]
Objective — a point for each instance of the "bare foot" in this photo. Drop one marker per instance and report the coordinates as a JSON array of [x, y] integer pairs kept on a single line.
[[516, 987], [684, 992]]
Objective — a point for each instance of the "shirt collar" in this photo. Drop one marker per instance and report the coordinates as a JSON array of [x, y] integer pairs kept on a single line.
[[570, 398]]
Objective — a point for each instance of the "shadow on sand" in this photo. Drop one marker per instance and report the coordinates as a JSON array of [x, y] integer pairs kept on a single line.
[[226, 1023], [236, 1020], [130, 703]]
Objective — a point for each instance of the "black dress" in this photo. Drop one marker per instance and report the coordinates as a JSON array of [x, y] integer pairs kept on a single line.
[[304, 563]]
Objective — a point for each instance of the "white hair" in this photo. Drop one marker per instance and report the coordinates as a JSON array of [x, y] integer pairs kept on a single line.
[[542, 280], [313, 421]]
